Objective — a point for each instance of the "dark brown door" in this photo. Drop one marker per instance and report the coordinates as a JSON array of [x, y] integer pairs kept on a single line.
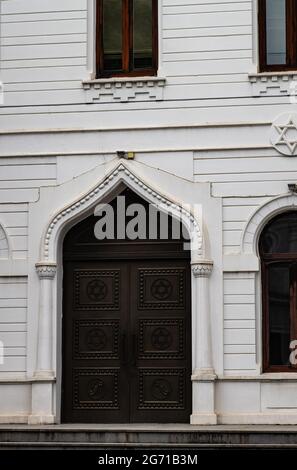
[[126, 330], [95, 382], [160, 330]]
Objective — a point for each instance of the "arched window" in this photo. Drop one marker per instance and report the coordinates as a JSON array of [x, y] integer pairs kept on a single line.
[[277, 35], [278, 250]]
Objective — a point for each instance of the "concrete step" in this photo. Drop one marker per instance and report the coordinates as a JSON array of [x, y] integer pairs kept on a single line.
[[144, 436]]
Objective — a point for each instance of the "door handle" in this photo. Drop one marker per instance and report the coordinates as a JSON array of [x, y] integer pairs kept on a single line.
[[124, 349]]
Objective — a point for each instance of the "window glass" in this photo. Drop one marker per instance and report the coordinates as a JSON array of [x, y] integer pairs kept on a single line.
[[280, 236], [276, 32], [112, 35], [279, 313], [142, 34]]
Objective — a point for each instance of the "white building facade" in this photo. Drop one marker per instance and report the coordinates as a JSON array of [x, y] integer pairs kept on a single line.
[[211, 134]]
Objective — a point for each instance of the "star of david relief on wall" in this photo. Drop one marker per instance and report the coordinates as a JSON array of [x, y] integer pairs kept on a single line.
[[284, 134]]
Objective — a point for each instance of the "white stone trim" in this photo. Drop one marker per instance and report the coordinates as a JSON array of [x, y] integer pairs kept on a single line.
[[265, 377], [74, 130], [44, 367], [14, 419], [121, 174], [273, 83], [240, 262], [202, 269], [254, 226], [46, 270], [91, 43], [281, 417], [203, 377], [51, 243], [124, 89], [91, 38]]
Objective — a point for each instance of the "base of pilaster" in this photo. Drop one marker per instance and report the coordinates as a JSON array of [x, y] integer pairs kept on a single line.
[[204, 419], [41, 419], [204, 400], [42, 403]]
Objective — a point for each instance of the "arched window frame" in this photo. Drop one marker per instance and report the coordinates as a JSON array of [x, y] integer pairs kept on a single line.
[[268, 259]]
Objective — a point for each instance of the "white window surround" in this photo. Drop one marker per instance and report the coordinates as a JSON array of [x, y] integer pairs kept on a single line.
[[120, 89], [274, 83], [263, 214], [124, 89], [280, 83]]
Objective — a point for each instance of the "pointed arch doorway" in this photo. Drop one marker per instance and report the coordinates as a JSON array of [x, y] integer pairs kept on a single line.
[[126, 326]]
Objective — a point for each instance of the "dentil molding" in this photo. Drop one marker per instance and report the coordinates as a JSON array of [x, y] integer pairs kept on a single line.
[[273, 83], [124, 89]]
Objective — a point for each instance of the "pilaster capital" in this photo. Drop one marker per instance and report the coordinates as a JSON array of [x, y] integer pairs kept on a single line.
[[202, 268], [46, 270]]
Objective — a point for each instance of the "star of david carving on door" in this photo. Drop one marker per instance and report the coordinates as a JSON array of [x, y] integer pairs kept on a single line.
[[161, 288], [162, 338], [98, 289], [96, 339]]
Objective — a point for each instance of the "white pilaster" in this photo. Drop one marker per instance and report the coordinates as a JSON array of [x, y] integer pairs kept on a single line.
[[46, 273], [203, 377], [42, 389]]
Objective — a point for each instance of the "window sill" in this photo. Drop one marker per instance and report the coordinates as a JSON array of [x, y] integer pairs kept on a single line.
[[124, 89], [265, 377], [274, 83]]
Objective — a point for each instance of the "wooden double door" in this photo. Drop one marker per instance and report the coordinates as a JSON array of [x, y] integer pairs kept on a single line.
[[126, 341]]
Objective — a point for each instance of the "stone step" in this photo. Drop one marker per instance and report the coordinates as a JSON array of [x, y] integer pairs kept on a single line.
[[144, 436]]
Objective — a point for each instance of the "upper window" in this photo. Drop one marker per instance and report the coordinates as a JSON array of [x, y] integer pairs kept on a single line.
[[127, 37], [278, 250], [277, 35]]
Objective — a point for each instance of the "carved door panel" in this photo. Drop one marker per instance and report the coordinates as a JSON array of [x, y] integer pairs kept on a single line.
[[126, 341], [95, 379], [160, 320]]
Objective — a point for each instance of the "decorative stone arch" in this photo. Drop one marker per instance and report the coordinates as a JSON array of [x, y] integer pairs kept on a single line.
[[203, 375], [84, 205], [4, 244], [255, 225]]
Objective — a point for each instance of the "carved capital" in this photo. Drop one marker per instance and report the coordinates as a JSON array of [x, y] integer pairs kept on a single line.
[[46, 270], [202, 268]]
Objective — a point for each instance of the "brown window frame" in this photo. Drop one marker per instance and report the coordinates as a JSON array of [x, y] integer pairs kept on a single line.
[[266, 260], [291, 38], [127, 56]]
